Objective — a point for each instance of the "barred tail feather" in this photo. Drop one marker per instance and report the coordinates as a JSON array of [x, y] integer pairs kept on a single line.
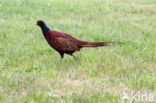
[[97, 44]]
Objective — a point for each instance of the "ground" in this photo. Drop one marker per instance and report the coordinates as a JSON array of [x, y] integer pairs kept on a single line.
[[32, 72]]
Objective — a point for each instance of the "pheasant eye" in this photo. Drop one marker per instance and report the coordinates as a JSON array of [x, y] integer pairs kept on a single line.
[[38, 23]]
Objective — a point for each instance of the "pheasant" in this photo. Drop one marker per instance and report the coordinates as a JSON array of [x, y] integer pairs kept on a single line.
[[65, 43]]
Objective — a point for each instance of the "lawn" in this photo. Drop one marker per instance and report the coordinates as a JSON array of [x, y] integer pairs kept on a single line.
[[32, 72]]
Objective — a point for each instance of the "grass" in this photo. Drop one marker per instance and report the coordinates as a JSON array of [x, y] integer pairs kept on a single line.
[[32, 72]]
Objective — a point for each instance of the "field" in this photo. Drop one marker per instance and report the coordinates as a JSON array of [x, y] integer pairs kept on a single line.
[[32, 72]]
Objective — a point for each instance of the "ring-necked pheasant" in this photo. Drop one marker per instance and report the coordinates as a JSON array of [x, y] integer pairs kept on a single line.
[[64, 43]]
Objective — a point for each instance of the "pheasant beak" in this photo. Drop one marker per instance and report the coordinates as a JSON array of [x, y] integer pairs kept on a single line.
[[37, 24]]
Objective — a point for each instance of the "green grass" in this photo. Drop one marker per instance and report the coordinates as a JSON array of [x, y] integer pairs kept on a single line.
[[32, 72]]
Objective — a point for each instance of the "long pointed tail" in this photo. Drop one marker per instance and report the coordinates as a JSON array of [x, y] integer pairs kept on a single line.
[[97, 44]]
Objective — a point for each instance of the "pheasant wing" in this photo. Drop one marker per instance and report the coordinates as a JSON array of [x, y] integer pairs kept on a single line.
[[65, 44]]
